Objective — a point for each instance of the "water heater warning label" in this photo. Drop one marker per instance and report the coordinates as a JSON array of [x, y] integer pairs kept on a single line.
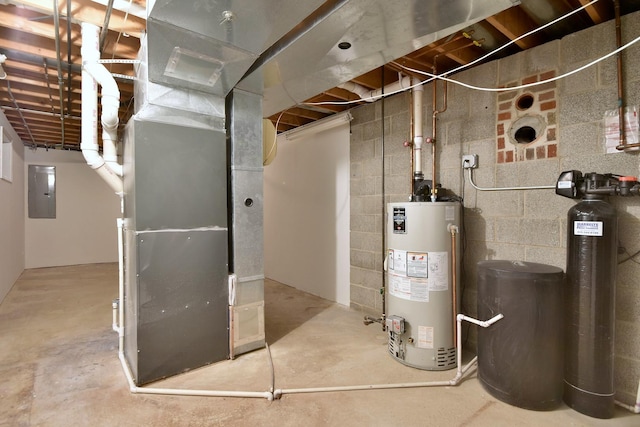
[[413, 275], [425, 337], [587, 228], [409, 289], [417, 264], [399, 220]]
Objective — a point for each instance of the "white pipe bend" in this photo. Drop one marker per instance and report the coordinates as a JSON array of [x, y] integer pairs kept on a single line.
[[452, 382], [373, 95], [93, 72], [97, 163]]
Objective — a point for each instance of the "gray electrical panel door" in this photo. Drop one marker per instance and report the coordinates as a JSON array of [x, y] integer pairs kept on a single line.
[[42, 191]]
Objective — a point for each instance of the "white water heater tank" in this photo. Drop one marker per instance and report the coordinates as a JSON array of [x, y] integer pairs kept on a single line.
[[419, 293]]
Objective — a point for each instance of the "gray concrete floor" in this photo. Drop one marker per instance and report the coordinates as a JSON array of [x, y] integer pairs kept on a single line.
[[59, 367]]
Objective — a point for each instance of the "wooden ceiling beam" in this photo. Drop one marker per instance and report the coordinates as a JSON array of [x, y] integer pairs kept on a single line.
[[342, 95], [513, 23], [598, 12], [28, 21], [302, 112], [460, 49], [92, 12], [292, 120], [42, 123]]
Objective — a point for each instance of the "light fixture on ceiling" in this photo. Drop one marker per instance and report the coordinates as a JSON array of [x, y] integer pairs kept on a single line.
[[3, 73]]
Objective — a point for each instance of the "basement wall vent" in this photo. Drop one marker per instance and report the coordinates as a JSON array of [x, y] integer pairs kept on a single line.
[[526, 121]]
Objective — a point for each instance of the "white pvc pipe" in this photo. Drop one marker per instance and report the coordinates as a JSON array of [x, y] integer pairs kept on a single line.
[[453, 382], [114, 321], [359, 90], [186, 392], [373, 95], [93, 72], [633, 408], [418, 137], [133, 388], [483, 323]]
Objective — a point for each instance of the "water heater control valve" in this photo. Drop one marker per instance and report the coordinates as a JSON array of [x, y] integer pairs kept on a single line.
[[395, 324], [574, 185]]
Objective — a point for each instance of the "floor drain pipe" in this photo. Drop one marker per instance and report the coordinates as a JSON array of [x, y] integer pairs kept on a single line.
[[461, 371], [133, 388], [633, 408]]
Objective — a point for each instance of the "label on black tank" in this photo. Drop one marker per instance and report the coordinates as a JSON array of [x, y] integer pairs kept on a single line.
[[587, 228]]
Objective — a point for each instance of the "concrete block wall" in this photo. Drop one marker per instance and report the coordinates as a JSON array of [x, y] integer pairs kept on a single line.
[[517, 225]]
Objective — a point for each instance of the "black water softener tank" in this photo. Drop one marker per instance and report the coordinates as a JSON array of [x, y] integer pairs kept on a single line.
[[520, 357], [590, 306]]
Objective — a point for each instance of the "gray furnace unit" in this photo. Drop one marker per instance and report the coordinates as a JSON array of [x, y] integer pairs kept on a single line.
[[193, 213], [176, 248], [194, 279]]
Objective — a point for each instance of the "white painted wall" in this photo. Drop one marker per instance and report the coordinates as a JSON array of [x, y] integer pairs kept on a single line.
[[84, 230], [306, 214], [12, 215]]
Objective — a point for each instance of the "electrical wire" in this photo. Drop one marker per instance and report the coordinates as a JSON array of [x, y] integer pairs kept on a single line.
[[535, 30], [503, 89], [433, 77]]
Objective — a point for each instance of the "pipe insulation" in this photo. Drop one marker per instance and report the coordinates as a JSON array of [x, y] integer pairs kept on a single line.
[[94, 73]]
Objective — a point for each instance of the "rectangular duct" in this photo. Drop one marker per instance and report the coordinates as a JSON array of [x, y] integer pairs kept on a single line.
[[378, 31], [208, 46], [246, 212]]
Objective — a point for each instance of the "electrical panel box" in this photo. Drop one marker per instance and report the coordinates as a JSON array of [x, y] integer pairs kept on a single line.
[[42, 191]]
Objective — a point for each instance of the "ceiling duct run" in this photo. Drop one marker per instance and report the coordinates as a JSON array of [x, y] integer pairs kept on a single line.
[[375, 32], [297, 46], [208, 46]]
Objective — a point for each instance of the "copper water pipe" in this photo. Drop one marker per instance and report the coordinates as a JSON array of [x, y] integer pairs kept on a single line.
[[454, 278], [623, 145]]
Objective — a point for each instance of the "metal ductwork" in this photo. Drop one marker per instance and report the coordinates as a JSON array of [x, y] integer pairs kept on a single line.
[[208, 46], [293, 44], [193, 186], [378, 31]]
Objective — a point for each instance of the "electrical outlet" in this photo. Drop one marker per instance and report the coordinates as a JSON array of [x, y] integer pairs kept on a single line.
[[469, 161]]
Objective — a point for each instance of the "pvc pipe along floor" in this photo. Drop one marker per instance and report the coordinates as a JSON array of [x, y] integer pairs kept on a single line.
[[59, 367]]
